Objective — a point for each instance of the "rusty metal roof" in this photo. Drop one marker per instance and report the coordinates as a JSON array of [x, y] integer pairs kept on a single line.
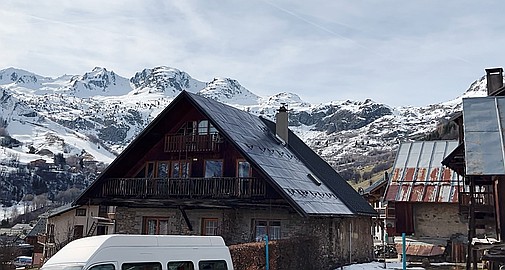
[[483, 126], [419, 176]]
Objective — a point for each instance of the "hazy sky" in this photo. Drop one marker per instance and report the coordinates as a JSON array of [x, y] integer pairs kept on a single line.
[[396, 52]]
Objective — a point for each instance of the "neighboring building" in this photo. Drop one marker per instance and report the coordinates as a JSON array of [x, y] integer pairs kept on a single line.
[[374, 194], [68, 222], [37, 238], [422, 194], [205, 168], [480, 159]]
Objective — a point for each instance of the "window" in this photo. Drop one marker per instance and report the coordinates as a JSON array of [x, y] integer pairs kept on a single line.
[[141, 266], [203, 127], [103, 267], [155, 225], [270, 227], [80, 212], [243, 168], [212, 265], [146, 171], [213, 168], [209, 226], [180, 169], [181, 266], [162, 170], [78, 231], [189, 128]]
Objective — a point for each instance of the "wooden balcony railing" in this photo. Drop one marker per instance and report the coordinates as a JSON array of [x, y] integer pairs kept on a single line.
[[481, 198], [159, 188], [192, 143]]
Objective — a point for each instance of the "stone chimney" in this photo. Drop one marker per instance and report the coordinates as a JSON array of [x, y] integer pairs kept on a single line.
[[281, 123], [494, 77]]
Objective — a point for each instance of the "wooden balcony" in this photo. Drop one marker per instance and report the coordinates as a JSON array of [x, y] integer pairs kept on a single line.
[[165, 188], [192, 143], [484, 202]]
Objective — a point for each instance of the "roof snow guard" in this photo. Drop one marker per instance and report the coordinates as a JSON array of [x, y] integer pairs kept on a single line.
[[483, 126], [419, 176]]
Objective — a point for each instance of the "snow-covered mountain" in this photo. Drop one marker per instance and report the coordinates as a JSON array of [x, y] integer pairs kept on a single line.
[[92, 117]]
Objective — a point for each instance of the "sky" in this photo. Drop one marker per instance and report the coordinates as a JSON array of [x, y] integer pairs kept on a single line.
[[395, 52]]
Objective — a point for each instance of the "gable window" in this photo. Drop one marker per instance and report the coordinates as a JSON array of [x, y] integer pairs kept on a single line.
[[205, 128], [213, 168], [209, 226], [180, 169], [155, 225], [80, 212], [243, 168], [188, 128], [272, 228]]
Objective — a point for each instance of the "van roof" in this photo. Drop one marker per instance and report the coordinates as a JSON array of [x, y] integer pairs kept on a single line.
[[80, 250]]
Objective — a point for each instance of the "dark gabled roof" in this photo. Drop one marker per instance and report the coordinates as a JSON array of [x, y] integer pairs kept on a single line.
[[294, 170]]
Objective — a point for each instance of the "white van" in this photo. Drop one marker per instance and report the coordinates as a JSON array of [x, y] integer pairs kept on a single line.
[[143, 252]]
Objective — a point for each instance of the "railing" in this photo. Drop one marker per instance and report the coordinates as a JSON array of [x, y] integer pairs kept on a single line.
[[381, 211], [192, 143], [159, 188], [481, 198]]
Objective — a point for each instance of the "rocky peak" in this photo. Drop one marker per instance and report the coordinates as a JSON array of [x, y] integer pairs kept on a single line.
[[166, 80], [229, 91], [99, 81], [20, 77]]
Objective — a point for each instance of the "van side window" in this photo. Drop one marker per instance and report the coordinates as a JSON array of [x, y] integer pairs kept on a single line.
[[212, 265], [181, 266], [141, 266], [102, 267]]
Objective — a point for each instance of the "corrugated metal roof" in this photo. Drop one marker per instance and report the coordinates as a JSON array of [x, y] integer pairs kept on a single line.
[[419, 176], [483, 126]]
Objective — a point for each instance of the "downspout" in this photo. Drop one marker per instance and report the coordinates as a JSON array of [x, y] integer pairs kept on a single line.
[[350, 242]]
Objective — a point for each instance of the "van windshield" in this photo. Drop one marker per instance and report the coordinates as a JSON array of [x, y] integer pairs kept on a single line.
[[73, 266]]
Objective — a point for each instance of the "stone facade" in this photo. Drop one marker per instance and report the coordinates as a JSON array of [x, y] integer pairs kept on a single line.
[[438, 220], [340, 240]]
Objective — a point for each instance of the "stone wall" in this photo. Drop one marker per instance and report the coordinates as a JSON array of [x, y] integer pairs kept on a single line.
[[438, 220], [340, 240]]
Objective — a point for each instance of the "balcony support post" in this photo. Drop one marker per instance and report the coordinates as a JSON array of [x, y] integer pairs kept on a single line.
[[185, 216]]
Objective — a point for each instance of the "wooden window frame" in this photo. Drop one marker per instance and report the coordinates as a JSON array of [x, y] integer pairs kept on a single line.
[[205, 222], [169, 169], [269, 227], [145, 222], [205, 167], [238, 167], [182, 161]]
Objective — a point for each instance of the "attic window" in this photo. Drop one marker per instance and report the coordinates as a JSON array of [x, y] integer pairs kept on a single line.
[[314, 179]]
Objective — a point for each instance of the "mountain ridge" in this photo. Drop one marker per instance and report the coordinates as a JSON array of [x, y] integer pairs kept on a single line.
[[94, 116]]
